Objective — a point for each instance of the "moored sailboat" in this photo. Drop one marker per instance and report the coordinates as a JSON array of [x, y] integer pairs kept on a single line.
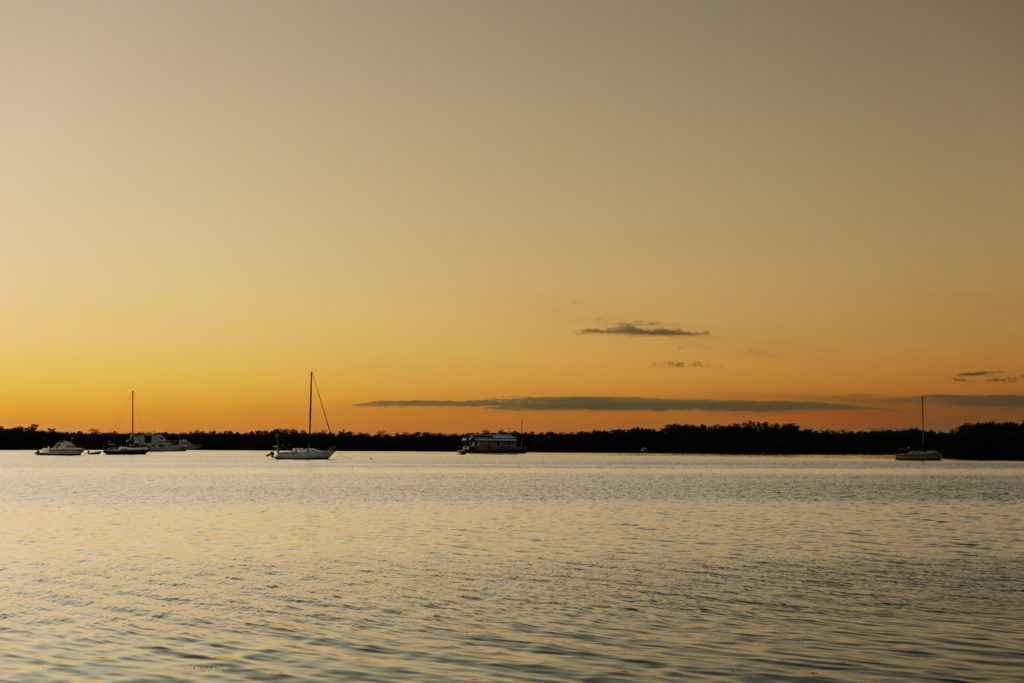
[[307, 453], [921, 453], [128, 448]]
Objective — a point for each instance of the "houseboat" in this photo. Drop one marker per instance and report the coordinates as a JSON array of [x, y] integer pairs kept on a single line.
[[491, 443], [159, 442]]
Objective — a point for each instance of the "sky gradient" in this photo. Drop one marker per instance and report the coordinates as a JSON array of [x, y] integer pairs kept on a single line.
[[493, 215]]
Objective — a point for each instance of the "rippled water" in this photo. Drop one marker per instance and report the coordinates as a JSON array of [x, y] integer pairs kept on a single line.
[[409, 566]]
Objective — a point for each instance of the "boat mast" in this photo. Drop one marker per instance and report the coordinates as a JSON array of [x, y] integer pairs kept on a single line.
[[922, 423], [309, 426], [133, 414]]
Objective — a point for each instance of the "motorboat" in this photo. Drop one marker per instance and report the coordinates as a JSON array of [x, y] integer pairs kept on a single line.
[[65, 447]]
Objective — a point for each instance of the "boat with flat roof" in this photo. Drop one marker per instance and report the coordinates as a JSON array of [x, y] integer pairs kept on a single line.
[[159, 442], [501, 442]]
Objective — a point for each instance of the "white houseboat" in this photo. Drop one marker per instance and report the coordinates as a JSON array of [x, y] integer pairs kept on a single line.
[[491, 443], [159, 442]]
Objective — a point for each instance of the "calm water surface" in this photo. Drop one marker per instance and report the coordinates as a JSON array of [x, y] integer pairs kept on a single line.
[[411, 566]]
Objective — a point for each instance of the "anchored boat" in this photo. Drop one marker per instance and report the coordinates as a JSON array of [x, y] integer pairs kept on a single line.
[[128, 448], [307, 453], [921, 453], [61, 448], [159, 442], [491, 443]]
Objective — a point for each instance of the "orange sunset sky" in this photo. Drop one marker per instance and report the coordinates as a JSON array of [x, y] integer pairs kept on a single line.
[[469, 215]]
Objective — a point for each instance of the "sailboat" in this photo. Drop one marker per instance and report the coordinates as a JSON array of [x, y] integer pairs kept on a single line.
[[307, 453], [920, 453], [128, 448]]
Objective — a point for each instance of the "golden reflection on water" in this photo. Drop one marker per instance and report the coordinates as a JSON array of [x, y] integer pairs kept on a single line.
[[377, 566]]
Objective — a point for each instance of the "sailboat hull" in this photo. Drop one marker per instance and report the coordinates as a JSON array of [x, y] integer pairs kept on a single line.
[[303, 454], [919, 455], [308, 453]]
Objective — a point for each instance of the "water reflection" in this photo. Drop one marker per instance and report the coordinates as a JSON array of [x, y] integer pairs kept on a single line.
[[405, 566]]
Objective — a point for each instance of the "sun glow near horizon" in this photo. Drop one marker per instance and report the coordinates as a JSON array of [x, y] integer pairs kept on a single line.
[[463, 202]]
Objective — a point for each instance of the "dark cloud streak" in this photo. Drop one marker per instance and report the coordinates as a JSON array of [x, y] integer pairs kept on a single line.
[[633, 330], [618, 403], [682, 364], [987, 401]]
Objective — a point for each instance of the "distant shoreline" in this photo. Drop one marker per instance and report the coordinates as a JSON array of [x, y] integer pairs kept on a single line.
[[983, 441]]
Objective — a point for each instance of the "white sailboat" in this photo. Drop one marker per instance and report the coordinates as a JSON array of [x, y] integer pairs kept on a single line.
[[129, 448], [307, 453], [921, 453]]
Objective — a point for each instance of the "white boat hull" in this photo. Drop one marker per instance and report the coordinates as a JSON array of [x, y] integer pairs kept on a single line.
[[303, 454], [919, 455]]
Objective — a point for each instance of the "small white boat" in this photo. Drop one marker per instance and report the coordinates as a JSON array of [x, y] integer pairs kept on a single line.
[[61, 448], [491, 443], [307, 453], [921, 453]]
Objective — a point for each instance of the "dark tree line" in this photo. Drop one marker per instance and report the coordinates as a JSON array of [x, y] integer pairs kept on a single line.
[[985, 441]]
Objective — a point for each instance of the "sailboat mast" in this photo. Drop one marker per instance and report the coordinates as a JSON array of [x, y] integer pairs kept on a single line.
[[922, 423], [309, 425], [133, 412]]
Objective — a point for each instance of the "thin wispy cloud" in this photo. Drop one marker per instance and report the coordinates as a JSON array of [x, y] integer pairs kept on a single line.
[[542, 403], [984, 376], [682, 364], [642, 330]]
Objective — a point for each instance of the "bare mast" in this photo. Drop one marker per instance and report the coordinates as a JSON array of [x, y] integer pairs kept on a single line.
[[922, 423]]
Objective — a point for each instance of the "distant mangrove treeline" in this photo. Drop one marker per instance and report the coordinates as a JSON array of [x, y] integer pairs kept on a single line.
[[981, 441]]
